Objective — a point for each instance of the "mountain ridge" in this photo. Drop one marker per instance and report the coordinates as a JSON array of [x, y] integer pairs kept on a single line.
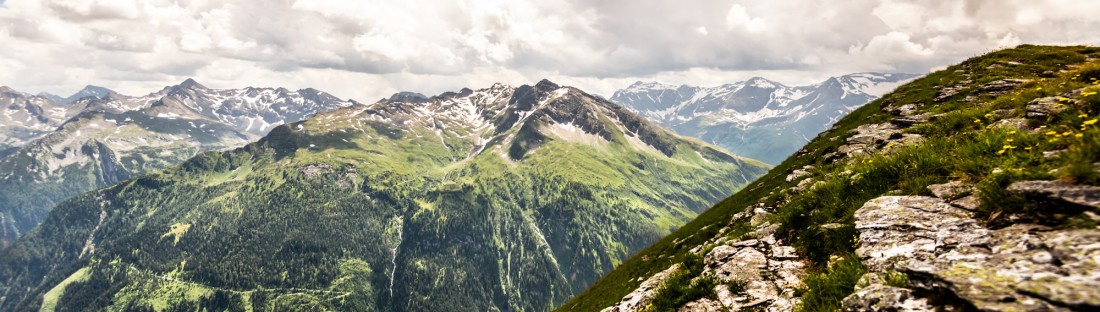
[[757, 118], [508, 198], [97, 141]]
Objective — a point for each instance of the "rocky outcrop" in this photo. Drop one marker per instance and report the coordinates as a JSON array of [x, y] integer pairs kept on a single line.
[[641, 297], [952, 259], [1001, 87], [869, 138], [767, 274], [1060, 191], [755, 272]]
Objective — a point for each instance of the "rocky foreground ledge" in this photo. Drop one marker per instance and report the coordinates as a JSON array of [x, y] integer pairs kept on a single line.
[[950, 259], [947, 257]]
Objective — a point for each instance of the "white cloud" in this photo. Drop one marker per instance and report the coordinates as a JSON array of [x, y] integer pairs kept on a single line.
[[367, 49], [738, 19]]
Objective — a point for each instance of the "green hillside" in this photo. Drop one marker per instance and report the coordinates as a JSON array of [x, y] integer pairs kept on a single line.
[[497, 199], [1027, 113]]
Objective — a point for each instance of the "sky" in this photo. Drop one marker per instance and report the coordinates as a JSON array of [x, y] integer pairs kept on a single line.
[[369, 49]]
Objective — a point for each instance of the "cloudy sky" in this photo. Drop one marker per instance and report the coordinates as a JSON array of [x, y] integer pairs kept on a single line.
[[369, 49]]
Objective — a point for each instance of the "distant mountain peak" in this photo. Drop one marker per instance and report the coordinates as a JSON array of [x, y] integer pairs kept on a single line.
[[761, 82], [406, 96], [546, 84], [87, 91], [191, 84], [650, 85]]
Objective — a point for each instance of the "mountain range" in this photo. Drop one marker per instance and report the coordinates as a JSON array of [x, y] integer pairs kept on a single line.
[[502, 198], [757, 118], [99, 137]]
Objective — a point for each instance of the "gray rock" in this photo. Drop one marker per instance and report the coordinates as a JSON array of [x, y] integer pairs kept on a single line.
[[1026, 268], [744, 265], [903, 110], [797, 173], [1001, 87], [1018, 268], [746, 243], [1084, 195], [950, 190], [896, 229], [1002, 113], [1013, 123], [720, 254], [639, 298], [911, 120], [905, 140], [787, 275], [703, 305], [784, 252], [766, 233], [760, 216], [947, 92], [1042, 107], [879, 297], [971, 203]]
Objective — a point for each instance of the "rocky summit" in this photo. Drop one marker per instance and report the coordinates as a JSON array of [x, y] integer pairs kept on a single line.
[[974, 188]]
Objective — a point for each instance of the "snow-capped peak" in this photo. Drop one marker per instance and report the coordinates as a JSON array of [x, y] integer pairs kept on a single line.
[[760, 82]]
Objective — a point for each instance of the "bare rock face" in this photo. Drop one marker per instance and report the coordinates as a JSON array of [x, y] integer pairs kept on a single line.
[[769, 271], [956, 261], [950, 190], [869, 138], [877, 296], [894, 230]]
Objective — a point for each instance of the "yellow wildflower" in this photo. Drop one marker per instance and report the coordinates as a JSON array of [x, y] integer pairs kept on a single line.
[[1067, 133], [1089, 122], [1078, 135], [1052, 132]]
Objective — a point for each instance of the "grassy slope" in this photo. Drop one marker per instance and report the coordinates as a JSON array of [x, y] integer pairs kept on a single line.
[[30, 188], [959, 146]]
